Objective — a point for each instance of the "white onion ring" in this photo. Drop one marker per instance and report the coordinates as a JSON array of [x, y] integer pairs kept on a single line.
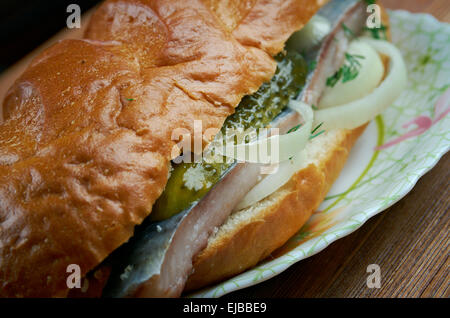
[[272, 182], [371, 72], [295, 140], [361, 111], [284, 146]]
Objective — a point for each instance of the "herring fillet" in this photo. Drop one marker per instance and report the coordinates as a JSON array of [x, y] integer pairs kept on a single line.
[[158, 258]]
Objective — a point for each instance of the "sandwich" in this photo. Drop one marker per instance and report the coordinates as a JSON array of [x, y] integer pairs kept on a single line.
[[96, 163]]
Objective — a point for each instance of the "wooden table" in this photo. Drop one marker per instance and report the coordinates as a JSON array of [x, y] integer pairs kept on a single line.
[[409, 241]]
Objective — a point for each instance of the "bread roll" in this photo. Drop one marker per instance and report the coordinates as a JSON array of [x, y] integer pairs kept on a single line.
[[85, 145]]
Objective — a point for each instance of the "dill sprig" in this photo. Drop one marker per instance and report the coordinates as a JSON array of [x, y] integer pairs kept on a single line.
[[349, 71], [313, 132], [318, 134], [315, 129], [312, 66], [295, 128], [378, 33]]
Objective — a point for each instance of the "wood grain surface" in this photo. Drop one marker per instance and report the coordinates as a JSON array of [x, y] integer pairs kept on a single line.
[[409, 241]]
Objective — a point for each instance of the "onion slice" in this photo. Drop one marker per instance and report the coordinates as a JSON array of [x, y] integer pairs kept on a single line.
[[296, 140], [277, 148], [361, 111], [371, 72], [272, 182]]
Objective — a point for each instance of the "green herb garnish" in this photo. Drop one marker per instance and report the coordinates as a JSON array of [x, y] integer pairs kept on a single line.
[[315, 129], [349, 71], [130, 99], [318, 134], [294, 128], [312, 65], [378, 33], [333, 79]]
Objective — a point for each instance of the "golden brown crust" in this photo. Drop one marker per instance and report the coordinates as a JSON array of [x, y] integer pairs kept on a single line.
[[256, 239], [277, 15], [86, 141]]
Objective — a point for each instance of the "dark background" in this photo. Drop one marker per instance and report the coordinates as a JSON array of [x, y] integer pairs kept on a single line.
[[25, 24]]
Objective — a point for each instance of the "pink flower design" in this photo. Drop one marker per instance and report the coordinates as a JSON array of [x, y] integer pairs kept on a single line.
[[423, 123]]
